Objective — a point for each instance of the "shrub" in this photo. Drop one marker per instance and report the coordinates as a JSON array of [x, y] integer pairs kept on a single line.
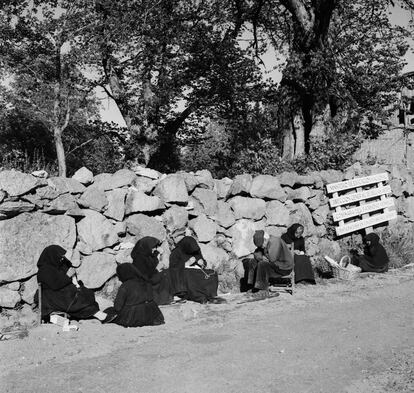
[[398, 241]]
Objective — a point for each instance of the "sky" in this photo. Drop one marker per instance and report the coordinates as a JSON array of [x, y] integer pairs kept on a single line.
[[399, 16]]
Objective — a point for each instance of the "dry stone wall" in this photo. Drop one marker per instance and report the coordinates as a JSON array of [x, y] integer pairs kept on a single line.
[[101, 217]]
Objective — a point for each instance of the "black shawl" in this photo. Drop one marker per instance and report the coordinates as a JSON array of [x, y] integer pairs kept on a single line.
[[374, 252], [52, 267], [186, 248], [143, 259], [289, 237], [126, 271]]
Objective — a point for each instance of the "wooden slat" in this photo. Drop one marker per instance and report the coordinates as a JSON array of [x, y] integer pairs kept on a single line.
[[368, 222], [357, 182], [363, 209], [359, 196]]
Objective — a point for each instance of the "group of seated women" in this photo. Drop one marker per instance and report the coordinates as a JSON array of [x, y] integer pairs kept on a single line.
[[144, 287]]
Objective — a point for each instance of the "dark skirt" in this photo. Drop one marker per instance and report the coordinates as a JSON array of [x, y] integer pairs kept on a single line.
[[201, 285], [143, 314], [177, 280], [161, 290], [304, 269], [78, 303], [367, 266]]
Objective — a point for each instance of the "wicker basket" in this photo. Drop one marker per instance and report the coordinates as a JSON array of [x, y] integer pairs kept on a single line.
[[350, 272]]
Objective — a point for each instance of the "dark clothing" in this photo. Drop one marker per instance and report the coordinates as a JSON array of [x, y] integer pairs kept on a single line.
[[304, 270], [201, 284], [273, 262], [58, 291], [186, 248], [265, 272], [145, 263], [144, 260], [303, 266], [198, 285], [375, 258], [134, 303]]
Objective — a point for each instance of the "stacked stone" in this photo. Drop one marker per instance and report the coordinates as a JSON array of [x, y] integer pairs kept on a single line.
[[102, 217]]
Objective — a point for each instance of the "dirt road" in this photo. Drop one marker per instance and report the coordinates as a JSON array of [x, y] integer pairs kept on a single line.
[[339, 337]]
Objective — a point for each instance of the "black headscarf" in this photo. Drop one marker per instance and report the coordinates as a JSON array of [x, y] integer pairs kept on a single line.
[[375, 252], [126, 271], [53, 256], [143, 259], [289, 237], [52, 268], [186, 248]]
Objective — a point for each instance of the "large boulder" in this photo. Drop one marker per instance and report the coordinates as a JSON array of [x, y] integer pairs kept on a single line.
[[122, 178], [268, 187], [144, 184], [320, 215], [222, 187], [204, 228], [96, 230], [205, 179], [207, 199], [116, 204], [141, 225], [103, 181], [137, 201], [94, 198], [23, 238], [224, 216], [66, 184], [8, 297], [48, 192], [275, 230], [299, 213], [11, 208], [288, 178], [191, 181], [241, 185], [244, 207], [408, 207], [97, 269], [15, 183], [83, 176], [396, 187], [214, 256], [301, 194], [175, 219], [318, 198], [29, 289], [331, 176], [62, 204], [242, 238], [147, 172], [172, 189], [308, 180], [277, 213]]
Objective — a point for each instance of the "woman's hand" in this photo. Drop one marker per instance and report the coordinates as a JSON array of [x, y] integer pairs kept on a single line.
[[298, 252], [190, 261]]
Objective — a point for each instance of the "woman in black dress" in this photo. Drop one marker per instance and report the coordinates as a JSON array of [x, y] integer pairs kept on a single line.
[[61, 291], [145, 260], [303, 267], [189, 278], [134, 302], [375, 258]]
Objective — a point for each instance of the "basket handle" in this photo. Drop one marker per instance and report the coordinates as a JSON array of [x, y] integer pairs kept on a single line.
[[345, 261]]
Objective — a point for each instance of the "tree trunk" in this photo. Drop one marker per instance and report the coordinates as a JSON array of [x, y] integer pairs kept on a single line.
[[60, 151], [299, 132]]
